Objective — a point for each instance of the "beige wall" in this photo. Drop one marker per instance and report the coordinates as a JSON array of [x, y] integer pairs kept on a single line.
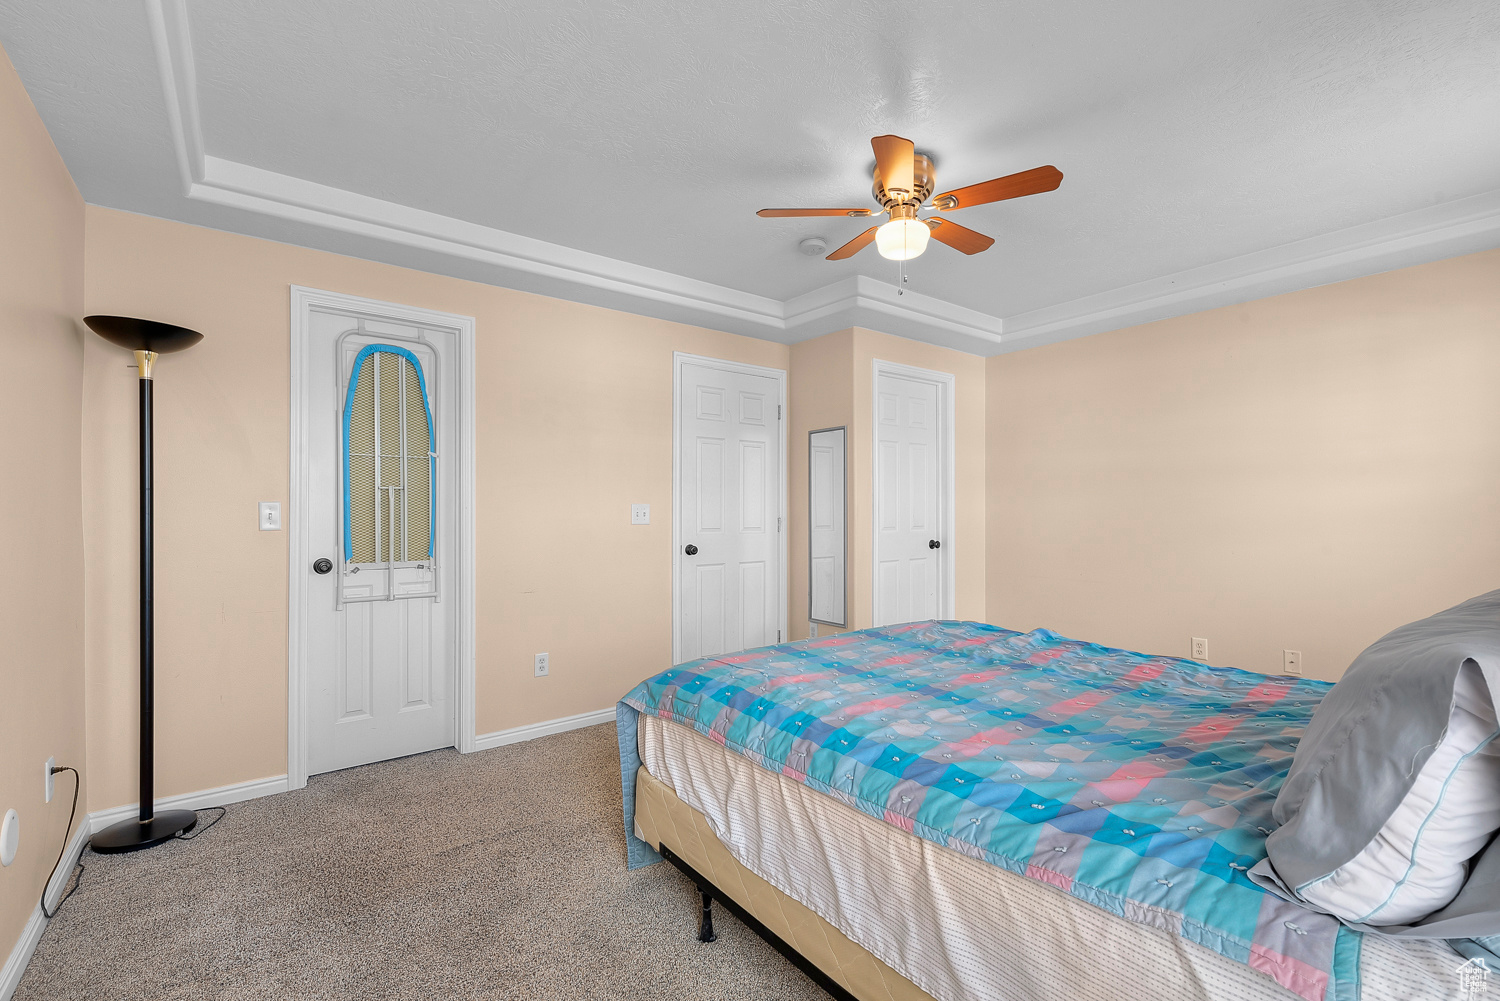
[[1302, 472], [41, 601], [833, 383], [574, 423]]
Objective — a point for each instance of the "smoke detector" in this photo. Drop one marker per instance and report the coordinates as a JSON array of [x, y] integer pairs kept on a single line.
[[813, 246]]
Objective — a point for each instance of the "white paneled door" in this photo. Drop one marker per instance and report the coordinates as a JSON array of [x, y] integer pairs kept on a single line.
[[381, 612], [728, 508], [910, 499]]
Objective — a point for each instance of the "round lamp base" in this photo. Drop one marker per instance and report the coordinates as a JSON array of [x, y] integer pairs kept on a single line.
[[131, 835]]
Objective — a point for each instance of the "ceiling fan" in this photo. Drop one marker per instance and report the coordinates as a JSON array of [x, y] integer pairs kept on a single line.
[[904, 179]]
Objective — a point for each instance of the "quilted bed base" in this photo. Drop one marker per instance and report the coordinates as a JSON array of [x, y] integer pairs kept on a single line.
[[663, 819]]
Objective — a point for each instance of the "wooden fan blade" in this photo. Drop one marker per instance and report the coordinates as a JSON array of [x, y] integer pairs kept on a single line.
[[794, 213], [1027, 182], [894, 162], [960, 238], [855, 245]]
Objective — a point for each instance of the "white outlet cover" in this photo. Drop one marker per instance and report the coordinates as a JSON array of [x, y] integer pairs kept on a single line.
[[640, 514], [51, 778], [270, 516], [10, 837], [542, 665]]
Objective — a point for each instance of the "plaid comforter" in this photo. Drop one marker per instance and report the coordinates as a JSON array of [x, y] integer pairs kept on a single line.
[[1140, 784]]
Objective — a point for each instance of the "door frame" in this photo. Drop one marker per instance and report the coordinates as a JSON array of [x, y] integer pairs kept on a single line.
[[304, 301], [947, 575], [680, 358]]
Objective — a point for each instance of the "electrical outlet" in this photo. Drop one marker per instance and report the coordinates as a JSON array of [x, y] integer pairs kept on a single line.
[[51, 763], [1200, 649], [813, 632], [10, 837], [640, 514], [541, 665], [1291, 662]]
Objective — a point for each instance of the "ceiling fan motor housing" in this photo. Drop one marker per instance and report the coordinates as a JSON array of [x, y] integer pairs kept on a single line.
[[924, 179]]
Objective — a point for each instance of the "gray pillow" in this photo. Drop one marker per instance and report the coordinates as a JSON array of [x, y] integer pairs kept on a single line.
[[1362, 753]]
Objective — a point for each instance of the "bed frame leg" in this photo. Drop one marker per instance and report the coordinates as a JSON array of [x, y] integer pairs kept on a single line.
[[706, 930]]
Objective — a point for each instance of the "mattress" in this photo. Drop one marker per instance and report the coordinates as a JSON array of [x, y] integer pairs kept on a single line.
[[960, 928], [1141, 784]]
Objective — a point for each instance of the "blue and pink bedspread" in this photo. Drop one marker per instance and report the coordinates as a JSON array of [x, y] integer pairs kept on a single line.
[[1140, 784]]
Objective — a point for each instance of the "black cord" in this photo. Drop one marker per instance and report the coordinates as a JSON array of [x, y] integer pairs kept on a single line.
[[71, 814], [182, 836]]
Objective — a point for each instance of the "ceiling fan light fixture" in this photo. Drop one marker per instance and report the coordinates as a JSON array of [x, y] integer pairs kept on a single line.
[[902, 239], [903, 181]]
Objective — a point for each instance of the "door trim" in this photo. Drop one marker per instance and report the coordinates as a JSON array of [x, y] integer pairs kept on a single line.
[[680, 358], [945, 383], [303, 302]]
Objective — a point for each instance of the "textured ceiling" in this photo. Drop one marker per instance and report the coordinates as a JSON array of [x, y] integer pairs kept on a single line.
[[1190, 132]]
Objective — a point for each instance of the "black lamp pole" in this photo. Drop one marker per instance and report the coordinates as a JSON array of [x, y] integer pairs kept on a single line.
[[148, 339]]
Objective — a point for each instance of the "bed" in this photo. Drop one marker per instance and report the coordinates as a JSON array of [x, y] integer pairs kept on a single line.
[[951, 810]]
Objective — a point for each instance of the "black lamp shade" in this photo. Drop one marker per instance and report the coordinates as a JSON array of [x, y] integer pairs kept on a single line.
[[143, 335]]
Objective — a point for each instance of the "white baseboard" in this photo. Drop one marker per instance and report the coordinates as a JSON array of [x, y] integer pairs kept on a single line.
[[15, 965], [10, 976], [201, 800], [500, 738]]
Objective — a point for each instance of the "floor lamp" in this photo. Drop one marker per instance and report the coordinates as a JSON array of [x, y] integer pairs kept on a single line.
[[147, 339]]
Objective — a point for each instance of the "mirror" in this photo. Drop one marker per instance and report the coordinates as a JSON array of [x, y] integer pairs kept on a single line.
[[827, 540]]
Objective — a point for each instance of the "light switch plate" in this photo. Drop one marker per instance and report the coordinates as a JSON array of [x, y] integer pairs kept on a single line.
[[640, 514], [270, 516]]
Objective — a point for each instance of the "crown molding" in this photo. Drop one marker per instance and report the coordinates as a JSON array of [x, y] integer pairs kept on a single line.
[[168, 22], [859, 301], [241, 186], [1447, 229], [1443, 230], [536, 265]]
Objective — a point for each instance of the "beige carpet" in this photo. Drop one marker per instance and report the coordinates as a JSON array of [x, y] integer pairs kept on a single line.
[[499, 874]]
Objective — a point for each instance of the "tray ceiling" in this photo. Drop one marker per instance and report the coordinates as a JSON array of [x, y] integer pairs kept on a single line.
[[616, 152]]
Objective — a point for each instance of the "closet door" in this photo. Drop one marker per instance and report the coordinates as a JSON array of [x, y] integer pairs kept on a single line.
[[728, 562], [908, 508]]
